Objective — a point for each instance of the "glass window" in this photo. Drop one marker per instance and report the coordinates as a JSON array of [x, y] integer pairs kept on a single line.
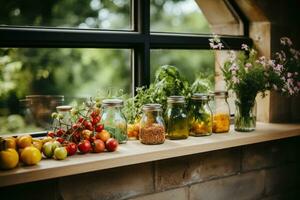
[[73, 73], [182, 16], [191, 63], [98, 14]]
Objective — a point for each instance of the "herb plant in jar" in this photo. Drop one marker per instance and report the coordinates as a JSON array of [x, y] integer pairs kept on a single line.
[[200, 115], [113, 119], [177, 120]]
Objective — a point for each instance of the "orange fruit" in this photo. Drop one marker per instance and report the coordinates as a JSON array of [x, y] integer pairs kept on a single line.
[[24, 141], [31, 156], [103, 135], [10, 142], [9, 158]]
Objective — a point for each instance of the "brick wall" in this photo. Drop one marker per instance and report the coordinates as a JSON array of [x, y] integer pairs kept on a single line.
[[266, 171]]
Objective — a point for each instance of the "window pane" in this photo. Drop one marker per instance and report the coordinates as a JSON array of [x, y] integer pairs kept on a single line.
[[191, 63], [103, 14], [73, 73], [182, 16]]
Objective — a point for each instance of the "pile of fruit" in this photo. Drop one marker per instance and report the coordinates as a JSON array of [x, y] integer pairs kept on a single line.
[[84, 134]]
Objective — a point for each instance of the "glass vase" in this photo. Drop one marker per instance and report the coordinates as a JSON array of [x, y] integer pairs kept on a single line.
[[245, 116]]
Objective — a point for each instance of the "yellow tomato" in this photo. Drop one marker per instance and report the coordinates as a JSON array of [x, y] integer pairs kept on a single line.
[[9, 158], [10, 142], [24, 141], [31, 156], [37, 143]]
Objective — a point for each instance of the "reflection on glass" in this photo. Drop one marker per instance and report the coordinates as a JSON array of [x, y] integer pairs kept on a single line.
[[182, 16], [74, 73], [102, 14], [191, 63]]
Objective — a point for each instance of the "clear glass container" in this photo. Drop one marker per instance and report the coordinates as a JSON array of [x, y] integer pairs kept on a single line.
[[221, 112], [152, 126], [63, 119], [200, 115], [245, 115], [113, 119], [177, 120]]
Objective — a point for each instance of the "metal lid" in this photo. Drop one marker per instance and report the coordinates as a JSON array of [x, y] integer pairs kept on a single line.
[[221, 93], [176, 99], [152, 107], [200, 96], [112, 102], [64, 108]]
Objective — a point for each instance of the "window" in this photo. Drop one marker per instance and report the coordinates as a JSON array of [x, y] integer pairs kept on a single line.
[[75, 32]]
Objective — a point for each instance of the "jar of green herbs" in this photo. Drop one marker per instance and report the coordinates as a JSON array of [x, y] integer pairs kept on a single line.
[[177, 119], [200, 115]]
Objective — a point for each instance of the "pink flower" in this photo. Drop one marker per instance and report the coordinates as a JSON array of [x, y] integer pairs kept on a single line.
[[245, 47], [235, 80], [233, 67], [289, 74], [248, 65]]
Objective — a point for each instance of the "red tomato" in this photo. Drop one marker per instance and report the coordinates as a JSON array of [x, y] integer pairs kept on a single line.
[[111, 144], [60, 132], [88, 125], [96, 112], [98, 146], [60, 140], [51, 134], [80, 120], [84, 146], [71, 148], [99, 128], [76, 126], [95, 120]]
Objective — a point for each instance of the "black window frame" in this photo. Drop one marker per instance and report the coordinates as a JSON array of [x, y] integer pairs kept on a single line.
[[141, 40]]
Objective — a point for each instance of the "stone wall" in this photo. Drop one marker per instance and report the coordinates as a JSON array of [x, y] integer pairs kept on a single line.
[[268, 171]]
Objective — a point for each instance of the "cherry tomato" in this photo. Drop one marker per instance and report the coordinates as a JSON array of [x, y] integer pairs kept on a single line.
[[98, 146], [60, 132], [99, 128], [96, 112], [60, 140], [71, 148], [51, 134], [80, 119], [95, 120], [84, 146], [76, 126]]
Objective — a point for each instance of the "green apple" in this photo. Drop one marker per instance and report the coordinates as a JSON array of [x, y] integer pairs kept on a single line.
[[60, 153], [48, 149], [55, 145]]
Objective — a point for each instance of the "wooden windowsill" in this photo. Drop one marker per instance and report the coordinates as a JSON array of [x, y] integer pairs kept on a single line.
[[134, 152]]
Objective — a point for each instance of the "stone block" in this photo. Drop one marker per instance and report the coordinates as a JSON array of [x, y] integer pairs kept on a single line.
[[175, 194], [282, 179], [116, 183], [172, 173], [239, 187], [262, 155]]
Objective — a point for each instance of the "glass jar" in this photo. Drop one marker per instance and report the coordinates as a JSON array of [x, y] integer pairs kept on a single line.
[[221, 112], [63, 119], [114, 120], [245, 115], [200, 115], [152, 126], [177, 120]]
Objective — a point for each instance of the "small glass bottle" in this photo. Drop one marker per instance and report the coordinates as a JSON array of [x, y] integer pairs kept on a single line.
[[63, 119], [200, 116], [177, 119], [152, 126], [221, 112], [113, 119]]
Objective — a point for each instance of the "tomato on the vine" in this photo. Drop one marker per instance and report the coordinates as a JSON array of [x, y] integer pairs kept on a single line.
[[60, 132], [84, 146], [60, 140], [71, 148], [99, 127], [80, 119], [51, 134], [95, 120]]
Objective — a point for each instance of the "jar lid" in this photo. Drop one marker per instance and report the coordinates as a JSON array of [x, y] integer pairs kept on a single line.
[[176, 99], [64, 108], [112, 102], [200, 96], [221, 93], [152, 107]]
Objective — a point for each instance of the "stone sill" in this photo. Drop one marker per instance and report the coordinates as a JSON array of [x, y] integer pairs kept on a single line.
[[134, 152]]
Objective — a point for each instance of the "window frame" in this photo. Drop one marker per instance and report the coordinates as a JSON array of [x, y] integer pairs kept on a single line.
[[140, 39]]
